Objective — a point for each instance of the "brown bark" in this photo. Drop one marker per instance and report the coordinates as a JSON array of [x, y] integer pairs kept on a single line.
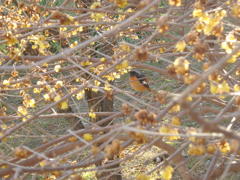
[[99, 102]]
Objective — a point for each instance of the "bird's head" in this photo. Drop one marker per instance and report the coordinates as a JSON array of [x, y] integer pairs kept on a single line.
[[134, 73]]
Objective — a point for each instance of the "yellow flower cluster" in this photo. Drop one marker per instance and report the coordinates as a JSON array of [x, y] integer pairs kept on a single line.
[[208, 22], [169, 130], [166, 173]]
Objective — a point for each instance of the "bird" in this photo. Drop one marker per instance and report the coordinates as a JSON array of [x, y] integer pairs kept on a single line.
[[138, 81]]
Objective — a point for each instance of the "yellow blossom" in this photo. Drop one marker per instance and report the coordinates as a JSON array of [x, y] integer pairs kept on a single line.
[[213, 88], [180, 46], [166, 173], [97, 16], [181, 65], [47, 97], [143, 177], [102, 59], [95, 89], [11, 40], [232, 59], [223, 87], [80, 95], [95, 5], [122, 66], [116, 75], [85, 63], [224, 147], [125, 47], [208, 21], [92, 115], [62, 29], [72, 139], [107, 87], [175, 108], [80, 29], [121, 3], [37, 90], [22, 111], [43, 163], [162, 49], [57, 98], [74, 44], [109, 77], [59, 84], [6, 82], [168, 130], [236, 10], [63, 105], [87, 137], [211, 148], [227, 46], [3, 126], [30, 103], [197, 12], [176, 121], [97, 83], [196, 150], [236, 88], [175, 2], [189, 98], [57, 68]]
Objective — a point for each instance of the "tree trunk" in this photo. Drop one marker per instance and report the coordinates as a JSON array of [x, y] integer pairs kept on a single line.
[[98, 102]]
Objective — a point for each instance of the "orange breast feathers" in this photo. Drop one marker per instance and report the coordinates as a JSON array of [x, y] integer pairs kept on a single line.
[[138, 81]]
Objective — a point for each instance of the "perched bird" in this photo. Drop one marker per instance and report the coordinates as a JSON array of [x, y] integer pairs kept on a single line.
[[138, 81]]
